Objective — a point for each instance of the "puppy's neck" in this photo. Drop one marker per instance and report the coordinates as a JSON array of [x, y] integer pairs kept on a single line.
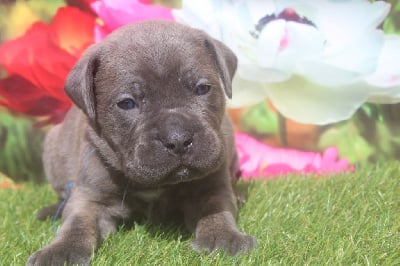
[[106, 151]]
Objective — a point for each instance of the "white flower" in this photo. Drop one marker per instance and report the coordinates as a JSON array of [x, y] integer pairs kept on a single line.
[[384, 83], [309, 57]]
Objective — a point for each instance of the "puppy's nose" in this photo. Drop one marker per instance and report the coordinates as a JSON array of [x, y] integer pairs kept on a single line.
[[175, 134], [178, 141]]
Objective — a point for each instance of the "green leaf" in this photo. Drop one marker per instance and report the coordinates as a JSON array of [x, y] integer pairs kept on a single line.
[[351, 145], [45, 9], [259, 120], [20, 148]]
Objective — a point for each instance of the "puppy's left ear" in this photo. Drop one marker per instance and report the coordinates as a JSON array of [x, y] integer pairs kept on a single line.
[[225, 61]]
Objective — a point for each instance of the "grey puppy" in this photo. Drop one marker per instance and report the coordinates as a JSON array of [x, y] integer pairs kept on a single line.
[[148, 137]]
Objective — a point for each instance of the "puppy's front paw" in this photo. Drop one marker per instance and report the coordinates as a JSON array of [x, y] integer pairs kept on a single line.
[[232, 242], [56, 254]]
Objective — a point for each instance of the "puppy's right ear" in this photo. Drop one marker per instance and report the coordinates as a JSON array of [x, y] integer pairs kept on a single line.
[[225, 61], [80, 83]]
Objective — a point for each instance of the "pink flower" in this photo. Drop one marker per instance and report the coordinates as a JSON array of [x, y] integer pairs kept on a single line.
[[116, 13], [259, 160]]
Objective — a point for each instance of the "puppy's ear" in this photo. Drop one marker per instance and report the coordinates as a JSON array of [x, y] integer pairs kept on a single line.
[[225, 61], [80, 83]]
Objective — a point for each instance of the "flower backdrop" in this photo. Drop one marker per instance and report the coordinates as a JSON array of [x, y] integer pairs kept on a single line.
[[327, 55], [306, 72], [38, 62]]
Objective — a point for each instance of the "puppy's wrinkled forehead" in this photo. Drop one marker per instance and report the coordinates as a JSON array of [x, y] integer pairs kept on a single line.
[[157, 50]]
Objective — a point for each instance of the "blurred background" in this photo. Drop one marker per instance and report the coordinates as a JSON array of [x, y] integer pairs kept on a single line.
[[27, 110]]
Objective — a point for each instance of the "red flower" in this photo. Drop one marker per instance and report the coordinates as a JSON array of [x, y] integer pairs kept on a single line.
[[39, 62]]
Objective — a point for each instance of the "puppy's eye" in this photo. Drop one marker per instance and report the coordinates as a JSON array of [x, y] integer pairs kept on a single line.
[[202, 89], [126, 104]]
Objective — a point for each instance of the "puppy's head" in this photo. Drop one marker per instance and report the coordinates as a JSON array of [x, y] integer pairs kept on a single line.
[[155, 94]]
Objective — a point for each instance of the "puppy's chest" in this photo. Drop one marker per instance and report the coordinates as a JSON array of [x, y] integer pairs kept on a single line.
[[149, 196], [157, 204]]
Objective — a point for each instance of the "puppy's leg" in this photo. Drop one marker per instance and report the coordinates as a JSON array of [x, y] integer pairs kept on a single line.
[[219, 231], [48, 211], [212, 216], [85, 224]]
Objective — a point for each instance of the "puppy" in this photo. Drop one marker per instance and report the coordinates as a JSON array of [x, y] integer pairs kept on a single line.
[[148, 136]]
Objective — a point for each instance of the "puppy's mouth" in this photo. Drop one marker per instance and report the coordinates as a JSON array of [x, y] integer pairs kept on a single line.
[[182, 174]]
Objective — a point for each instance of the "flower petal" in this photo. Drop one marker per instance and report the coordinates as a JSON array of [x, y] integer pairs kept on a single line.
[[384, 83], [306, 102], [116, 13], [324, 74], [360, 56], [22, 96], [284, 45], [68, 37], [257, 73], [259, 160], [343, 21], [246, 93], [198, 14]]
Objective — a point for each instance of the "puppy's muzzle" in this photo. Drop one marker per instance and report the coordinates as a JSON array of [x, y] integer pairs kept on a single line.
[[176, 134]]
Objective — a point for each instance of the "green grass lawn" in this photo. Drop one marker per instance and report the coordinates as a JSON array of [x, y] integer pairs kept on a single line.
[[345, 219]]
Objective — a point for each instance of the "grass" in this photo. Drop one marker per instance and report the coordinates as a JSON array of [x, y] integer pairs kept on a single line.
[[342, 220]]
